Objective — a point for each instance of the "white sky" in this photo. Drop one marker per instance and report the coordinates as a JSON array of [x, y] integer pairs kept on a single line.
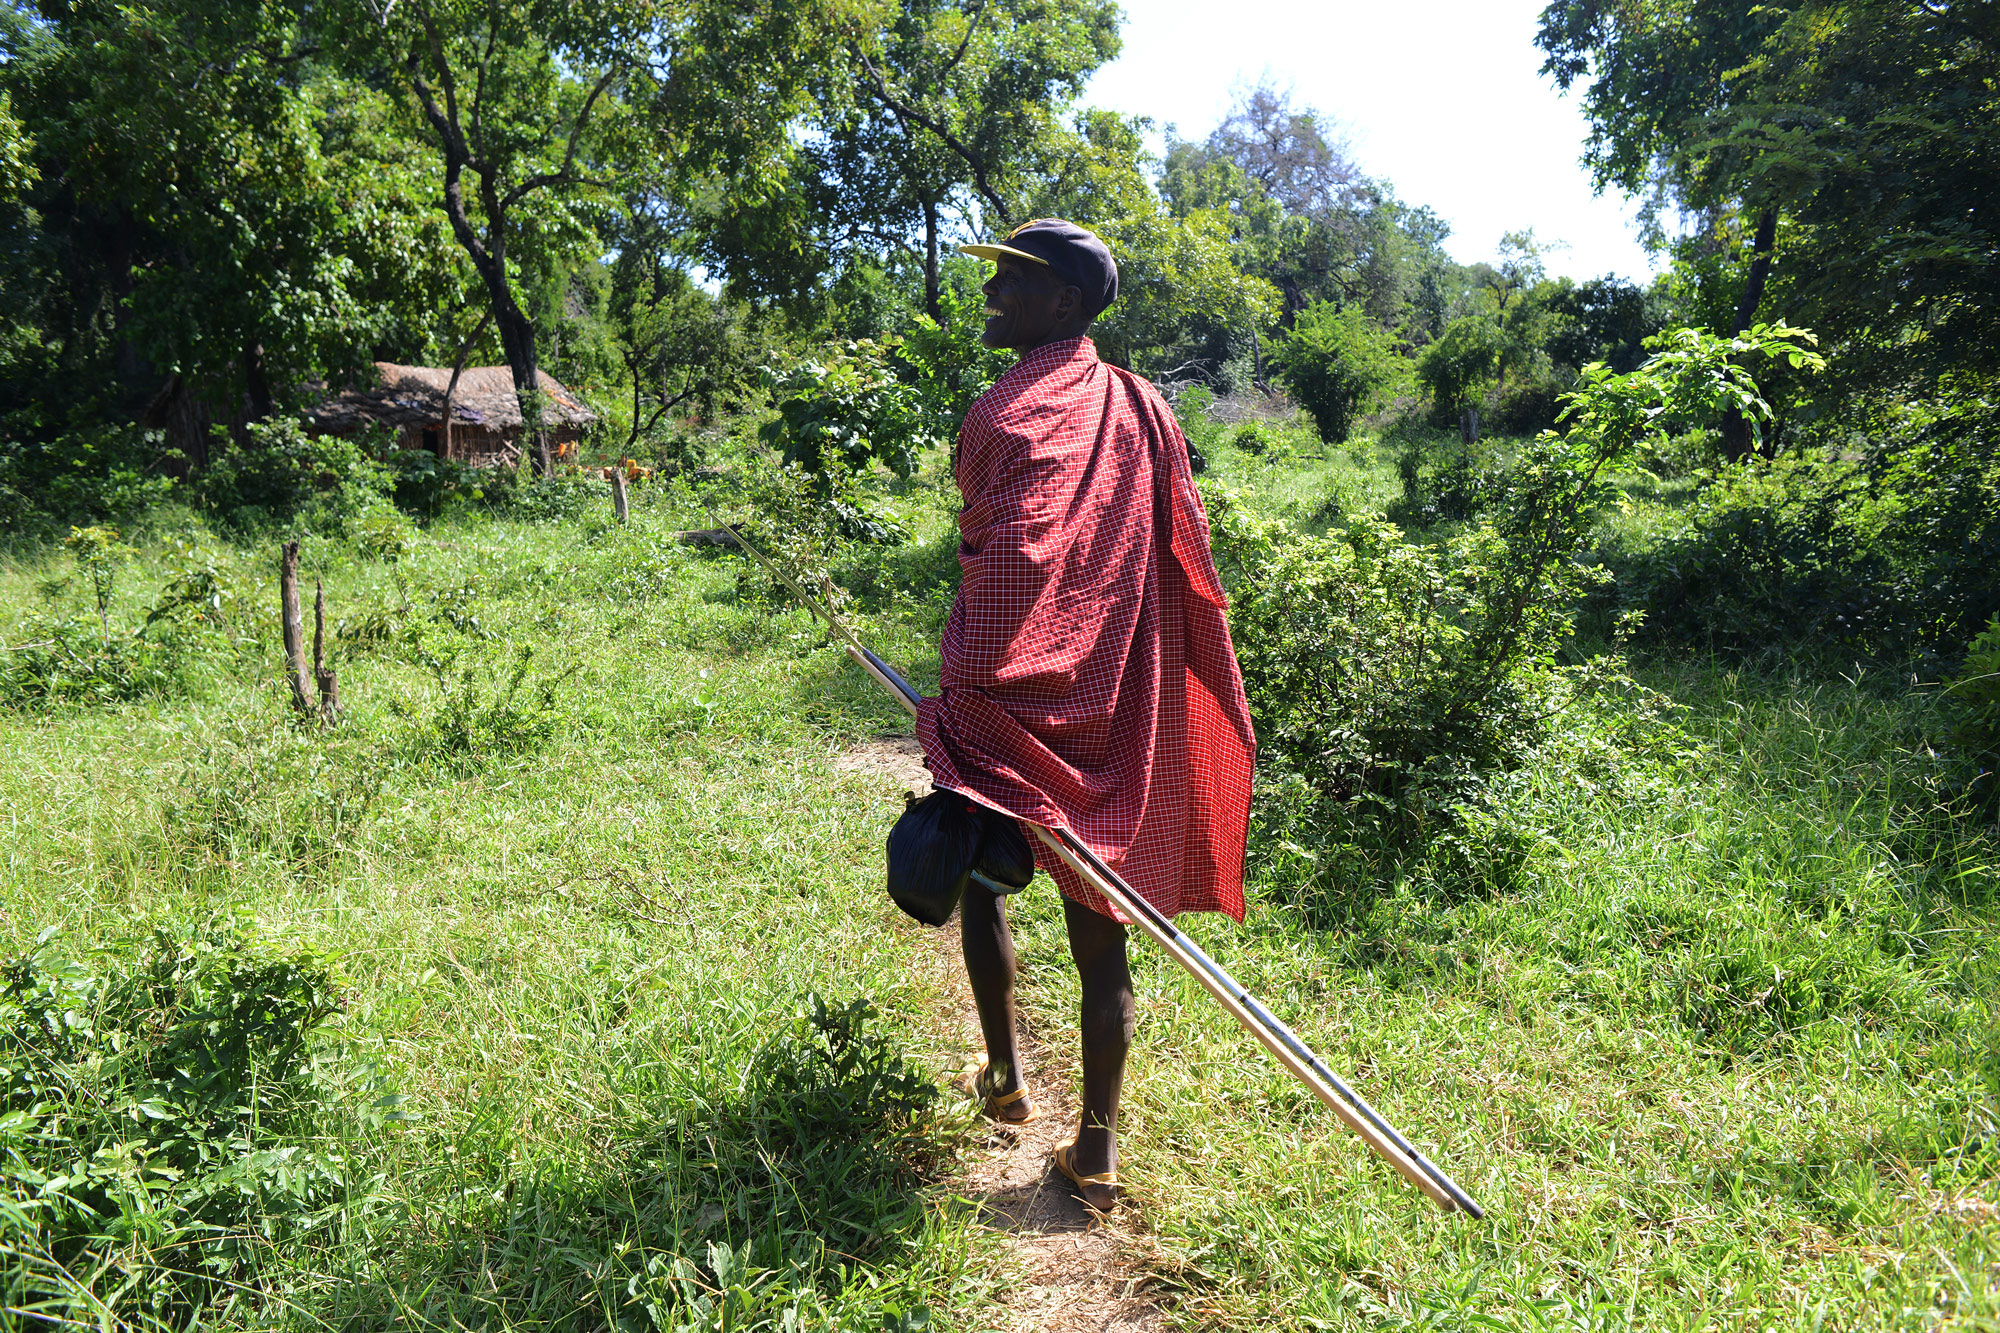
[[1442, 98]]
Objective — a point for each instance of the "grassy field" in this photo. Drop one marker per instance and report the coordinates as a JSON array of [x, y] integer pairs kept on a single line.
[[1716, 1044]]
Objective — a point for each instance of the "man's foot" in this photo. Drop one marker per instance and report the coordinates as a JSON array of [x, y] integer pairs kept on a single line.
[[1099, 1189], [1004, 1104]]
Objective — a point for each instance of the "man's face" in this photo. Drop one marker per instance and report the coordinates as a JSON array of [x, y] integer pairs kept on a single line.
[[1026, 304]]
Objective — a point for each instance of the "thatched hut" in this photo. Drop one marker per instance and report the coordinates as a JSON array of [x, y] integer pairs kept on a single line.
[[485, 414]]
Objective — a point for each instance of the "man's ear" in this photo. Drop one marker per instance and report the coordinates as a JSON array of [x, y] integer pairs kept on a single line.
[[1069, 304]]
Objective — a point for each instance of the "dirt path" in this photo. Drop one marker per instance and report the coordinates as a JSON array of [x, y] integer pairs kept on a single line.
[[1073, 1277]]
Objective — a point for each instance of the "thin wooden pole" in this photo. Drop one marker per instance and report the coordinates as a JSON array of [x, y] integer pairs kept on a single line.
[[295, 632], [1277, 1038]]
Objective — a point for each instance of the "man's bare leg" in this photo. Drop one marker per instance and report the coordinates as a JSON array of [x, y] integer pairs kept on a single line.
[[1097, 944], [989, 965]]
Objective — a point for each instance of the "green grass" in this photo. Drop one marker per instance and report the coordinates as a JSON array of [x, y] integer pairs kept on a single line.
[[1713, 1037]]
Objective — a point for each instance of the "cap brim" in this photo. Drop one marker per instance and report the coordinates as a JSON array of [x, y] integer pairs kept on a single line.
[[995, 251]]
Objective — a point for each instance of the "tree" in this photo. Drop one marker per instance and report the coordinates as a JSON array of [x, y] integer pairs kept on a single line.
[[1303, 218], [1178, 286], [679, 346], [535, 107], [186, 216], [1855, 145], [952, 102], [1339, 364]]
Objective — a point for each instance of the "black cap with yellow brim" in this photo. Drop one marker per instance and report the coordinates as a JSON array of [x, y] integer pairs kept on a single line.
[[1075, 253]]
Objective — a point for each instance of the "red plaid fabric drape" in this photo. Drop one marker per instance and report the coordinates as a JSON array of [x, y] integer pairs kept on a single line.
[[1089, 680]]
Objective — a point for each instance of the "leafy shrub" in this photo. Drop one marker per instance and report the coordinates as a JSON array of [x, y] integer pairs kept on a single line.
[[1458, 369], [79, 470], [425, 485], [1251, 437], [1389, 680], [1444, 478], [64, 659], [1354, 648], [1975, 703], [72, 661], [284, 474], [162, 1124], [844, 411], [1339, 365], [556, 498], [1887, 552], [1193, 409], [473, 720]]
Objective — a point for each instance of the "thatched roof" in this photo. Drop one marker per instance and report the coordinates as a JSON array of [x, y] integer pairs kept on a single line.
[[414, 396]]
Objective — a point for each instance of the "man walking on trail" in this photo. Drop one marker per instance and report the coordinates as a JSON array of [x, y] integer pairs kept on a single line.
[[1088, 677]]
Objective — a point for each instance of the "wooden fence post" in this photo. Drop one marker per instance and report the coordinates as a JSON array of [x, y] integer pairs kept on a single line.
[[329, 683], [295, 646], [618, 493]]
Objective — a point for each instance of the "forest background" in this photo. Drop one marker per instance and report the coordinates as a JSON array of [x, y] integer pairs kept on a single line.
[[1625, 653]]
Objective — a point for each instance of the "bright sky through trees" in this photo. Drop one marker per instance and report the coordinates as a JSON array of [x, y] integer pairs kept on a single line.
[[1443, 99]]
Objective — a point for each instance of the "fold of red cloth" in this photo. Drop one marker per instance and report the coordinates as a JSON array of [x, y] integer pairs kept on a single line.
[[1089, 681]]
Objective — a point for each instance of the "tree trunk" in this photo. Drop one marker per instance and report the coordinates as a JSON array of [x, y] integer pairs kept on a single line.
[[618, 501], [323, 675], [517, 337], [1737, 441], [295, 632], [931, 261], [256, 384]]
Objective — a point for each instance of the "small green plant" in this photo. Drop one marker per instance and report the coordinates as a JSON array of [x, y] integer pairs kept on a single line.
[[1251, 437], [473, 721], [383, 534], [1339, 365], [161, 1118], [99, 555]]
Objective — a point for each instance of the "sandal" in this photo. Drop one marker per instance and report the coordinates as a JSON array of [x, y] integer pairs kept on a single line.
[[974, 1082], [1100, 1180]]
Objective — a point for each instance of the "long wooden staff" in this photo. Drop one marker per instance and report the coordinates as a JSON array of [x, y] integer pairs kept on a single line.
[[1283, 1044]]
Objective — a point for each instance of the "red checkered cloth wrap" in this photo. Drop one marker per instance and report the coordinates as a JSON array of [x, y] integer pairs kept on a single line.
[[1089, 680]]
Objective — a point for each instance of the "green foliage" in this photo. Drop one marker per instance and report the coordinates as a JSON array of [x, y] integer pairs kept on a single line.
[[69, 660], [1459, 369], [1178, 283], [1883, 548], [99, 554], [163, 1123], [61, 658], [1339, 365], [1389, 680], [1865, 131], [1975, 702], [284, 475], [475, 721], [844, 412], [1194, 410]]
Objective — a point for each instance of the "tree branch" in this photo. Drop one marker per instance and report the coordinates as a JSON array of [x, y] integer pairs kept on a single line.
[[563, 176], [904, 111]]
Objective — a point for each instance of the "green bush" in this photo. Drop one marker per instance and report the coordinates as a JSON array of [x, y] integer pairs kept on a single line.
[[163, 1125], [1389, 681], [1251, 437], [1887, 552], [283, 474], [1459, 368], [1339, 365]]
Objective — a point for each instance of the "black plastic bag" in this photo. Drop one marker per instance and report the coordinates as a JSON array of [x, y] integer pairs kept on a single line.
[[940, 841]]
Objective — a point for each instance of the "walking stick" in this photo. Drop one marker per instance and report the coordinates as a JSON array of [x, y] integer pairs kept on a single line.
[[1283, 1044]]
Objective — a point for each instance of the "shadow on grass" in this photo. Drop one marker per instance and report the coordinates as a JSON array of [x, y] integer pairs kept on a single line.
[[792, 1197]]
